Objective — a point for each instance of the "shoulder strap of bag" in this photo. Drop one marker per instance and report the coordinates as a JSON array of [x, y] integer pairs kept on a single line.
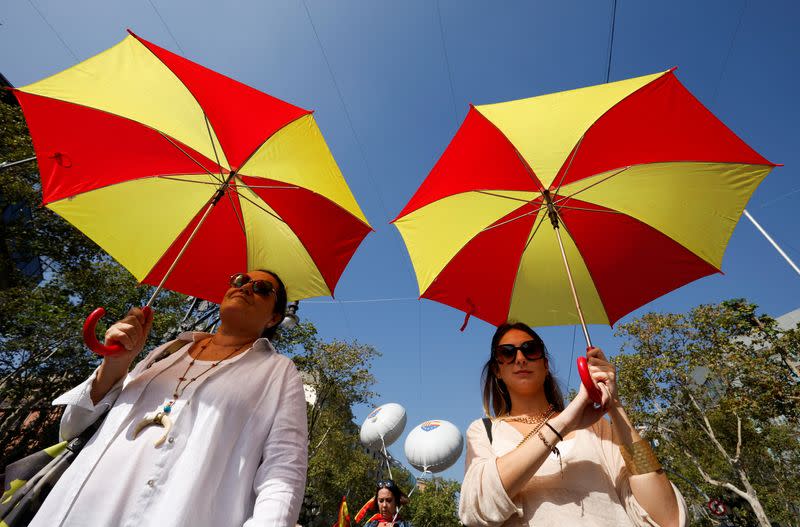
[[174, 346], [487, 423]]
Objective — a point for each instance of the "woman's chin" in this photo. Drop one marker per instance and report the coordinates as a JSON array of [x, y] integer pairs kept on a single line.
[[524, 387]]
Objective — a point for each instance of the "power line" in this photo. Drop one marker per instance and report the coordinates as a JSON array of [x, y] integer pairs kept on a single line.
[[166, 27], [56, 33], [362, 301], [447, 62], [346, 112], [611, 39], [728, 54]]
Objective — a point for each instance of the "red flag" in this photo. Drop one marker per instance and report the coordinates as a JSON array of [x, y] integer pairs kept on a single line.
[[344, 515], [368, 506]]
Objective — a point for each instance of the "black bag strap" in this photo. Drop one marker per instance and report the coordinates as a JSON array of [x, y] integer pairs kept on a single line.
[[174, 346], [487, 423]]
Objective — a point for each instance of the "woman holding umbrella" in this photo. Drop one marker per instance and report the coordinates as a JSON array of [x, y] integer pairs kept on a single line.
[[212, 434], [541, 463]]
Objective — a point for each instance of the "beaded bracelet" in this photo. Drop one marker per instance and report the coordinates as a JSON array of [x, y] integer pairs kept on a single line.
[[552, 449]]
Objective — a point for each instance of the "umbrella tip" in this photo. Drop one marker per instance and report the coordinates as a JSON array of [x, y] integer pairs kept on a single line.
[[673, 68]]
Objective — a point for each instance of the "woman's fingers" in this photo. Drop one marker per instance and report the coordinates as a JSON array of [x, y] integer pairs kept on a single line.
[[123, 333], [131, 331], [605, 396]]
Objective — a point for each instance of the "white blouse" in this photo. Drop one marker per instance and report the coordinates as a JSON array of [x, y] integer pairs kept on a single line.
[[236, 454], [592, 490]]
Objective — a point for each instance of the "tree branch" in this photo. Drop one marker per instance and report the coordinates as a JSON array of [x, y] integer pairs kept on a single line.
[[708, 430], [314, 450], [703, 473], [738, 438]]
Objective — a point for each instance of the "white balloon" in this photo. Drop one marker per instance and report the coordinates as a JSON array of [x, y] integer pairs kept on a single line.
[[434, 446], [386, 421]]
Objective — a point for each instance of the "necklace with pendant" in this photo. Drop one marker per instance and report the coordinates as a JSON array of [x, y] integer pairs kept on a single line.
[[160, 416]]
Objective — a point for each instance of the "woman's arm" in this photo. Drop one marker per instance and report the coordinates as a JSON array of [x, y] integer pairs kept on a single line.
[[483, 501], [281, 476], [518, 466], [652, 490], [131, 332]]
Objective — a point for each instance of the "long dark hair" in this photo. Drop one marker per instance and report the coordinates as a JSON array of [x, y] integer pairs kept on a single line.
[[495, 393], [281, 299]]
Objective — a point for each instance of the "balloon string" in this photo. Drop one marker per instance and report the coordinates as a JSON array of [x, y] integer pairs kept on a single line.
[[386, 456], [425, 471]]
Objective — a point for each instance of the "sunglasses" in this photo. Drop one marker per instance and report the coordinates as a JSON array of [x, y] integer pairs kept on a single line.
[[531, 349], [260, 287], [387, 484]]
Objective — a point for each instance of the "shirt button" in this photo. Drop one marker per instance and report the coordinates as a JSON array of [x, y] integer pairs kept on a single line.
[[151, 483], [171, 440]]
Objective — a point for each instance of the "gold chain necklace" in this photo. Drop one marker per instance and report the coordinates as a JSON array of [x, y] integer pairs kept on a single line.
[[538, 426], [528, 419], [160, 416]]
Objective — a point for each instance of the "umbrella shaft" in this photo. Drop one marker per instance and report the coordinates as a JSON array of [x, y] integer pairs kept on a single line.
[[553, 215], [213, 201], [572, 287], [183, 250]]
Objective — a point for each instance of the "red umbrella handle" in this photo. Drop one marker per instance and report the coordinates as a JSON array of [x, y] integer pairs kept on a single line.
[[90, 338], [593, 391]]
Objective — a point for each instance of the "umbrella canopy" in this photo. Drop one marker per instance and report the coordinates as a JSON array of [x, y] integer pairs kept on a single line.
[[136, 145], [645, 183]]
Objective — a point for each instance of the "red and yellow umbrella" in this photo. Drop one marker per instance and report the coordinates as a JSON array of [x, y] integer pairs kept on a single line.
[[186, 176], [645, 183]]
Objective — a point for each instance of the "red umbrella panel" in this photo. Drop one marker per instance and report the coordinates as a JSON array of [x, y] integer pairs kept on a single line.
[[186, 176], [643, 184]]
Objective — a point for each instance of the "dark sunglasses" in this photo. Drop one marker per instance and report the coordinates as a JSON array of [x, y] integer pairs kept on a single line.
[[260, 287], [531, 349], [387, 484]]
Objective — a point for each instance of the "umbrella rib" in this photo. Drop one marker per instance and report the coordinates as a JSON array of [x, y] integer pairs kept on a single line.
[[501, 196], [176, 178], [607, 211], [512, 219], [259, 206], [272, 187], [213, 146], [238, 219], [566, 198], [533, 233], [569, 165], [173, 143]]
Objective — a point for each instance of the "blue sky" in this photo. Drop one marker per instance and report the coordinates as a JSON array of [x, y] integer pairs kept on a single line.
[[390, 83]]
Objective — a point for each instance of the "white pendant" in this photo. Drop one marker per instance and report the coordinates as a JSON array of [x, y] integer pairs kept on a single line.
[[155, 418]]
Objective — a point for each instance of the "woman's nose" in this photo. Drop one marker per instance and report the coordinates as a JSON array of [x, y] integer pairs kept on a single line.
[[521, 357]]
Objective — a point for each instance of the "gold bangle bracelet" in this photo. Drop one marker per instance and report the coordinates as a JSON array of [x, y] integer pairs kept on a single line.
[[640, 458]]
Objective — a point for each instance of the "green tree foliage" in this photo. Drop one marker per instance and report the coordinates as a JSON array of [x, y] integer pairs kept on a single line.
[[41, 350], [435, 504], [716, 389], [337, 376]]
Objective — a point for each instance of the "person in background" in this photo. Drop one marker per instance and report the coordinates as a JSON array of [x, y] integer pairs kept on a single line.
[[537, 462], [214, 434], [388, 498]]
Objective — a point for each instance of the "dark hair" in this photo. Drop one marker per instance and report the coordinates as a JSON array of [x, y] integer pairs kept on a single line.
[[495, 393], [391, 486], [281, 300]]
